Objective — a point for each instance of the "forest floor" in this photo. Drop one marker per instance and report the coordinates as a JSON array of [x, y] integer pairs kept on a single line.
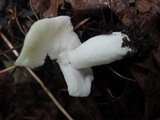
[[124, 90]]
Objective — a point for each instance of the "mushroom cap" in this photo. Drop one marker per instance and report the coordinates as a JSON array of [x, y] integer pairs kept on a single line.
[[99, 50], [49, 36], [78, 80]]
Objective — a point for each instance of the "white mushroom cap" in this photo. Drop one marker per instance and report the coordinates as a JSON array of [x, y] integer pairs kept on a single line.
[[47, 36], [99, 50], [78, 80]]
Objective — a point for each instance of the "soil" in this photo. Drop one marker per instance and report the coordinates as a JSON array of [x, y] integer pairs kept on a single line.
[[123, 90]]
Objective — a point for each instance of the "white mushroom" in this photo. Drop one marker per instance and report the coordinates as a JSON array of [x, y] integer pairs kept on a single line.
[[56, 38], [53, 37], [48, 36]]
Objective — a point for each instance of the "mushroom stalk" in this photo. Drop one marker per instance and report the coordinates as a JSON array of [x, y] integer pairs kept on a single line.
[[99, 50], [78, 80]]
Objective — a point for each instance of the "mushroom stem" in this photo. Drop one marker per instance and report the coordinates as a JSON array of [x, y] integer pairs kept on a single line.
[[78, 80], [99, 50]]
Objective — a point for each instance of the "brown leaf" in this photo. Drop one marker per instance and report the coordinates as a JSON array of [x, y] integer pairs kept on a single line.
[[54, 6], [40, 6], [46, 8], [123, 11], [143, 6], [78, 5], [140, 12], [147, 74]]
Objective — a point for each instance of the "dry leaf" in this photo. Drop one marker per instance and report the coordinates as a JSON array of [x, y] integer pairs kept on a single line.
[[84, 4], [46, 8], [54, 6], [147, 74]]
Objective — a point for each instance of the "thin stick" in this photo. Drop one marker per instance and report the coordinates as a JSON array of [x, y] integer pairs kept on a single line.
[[8, 43], [7, 69], [40, 82], [81, 23], [102, 11], [17, 21], [4, 52], [14, 12], [126, 78], [30, 19], [109, 91], [30, 2], [49, 94]]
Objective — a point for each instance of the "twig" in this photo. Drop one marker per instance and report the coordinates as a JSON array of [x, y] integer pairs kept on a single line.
[[30, 19], [81, 23], [8, 43], [49, 94], [110, 93], [14, 12], [126, 78], [7, 69], [30, 2], [39, 81], [4, 52], [103, 12], [117, 98], [17, 21]]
